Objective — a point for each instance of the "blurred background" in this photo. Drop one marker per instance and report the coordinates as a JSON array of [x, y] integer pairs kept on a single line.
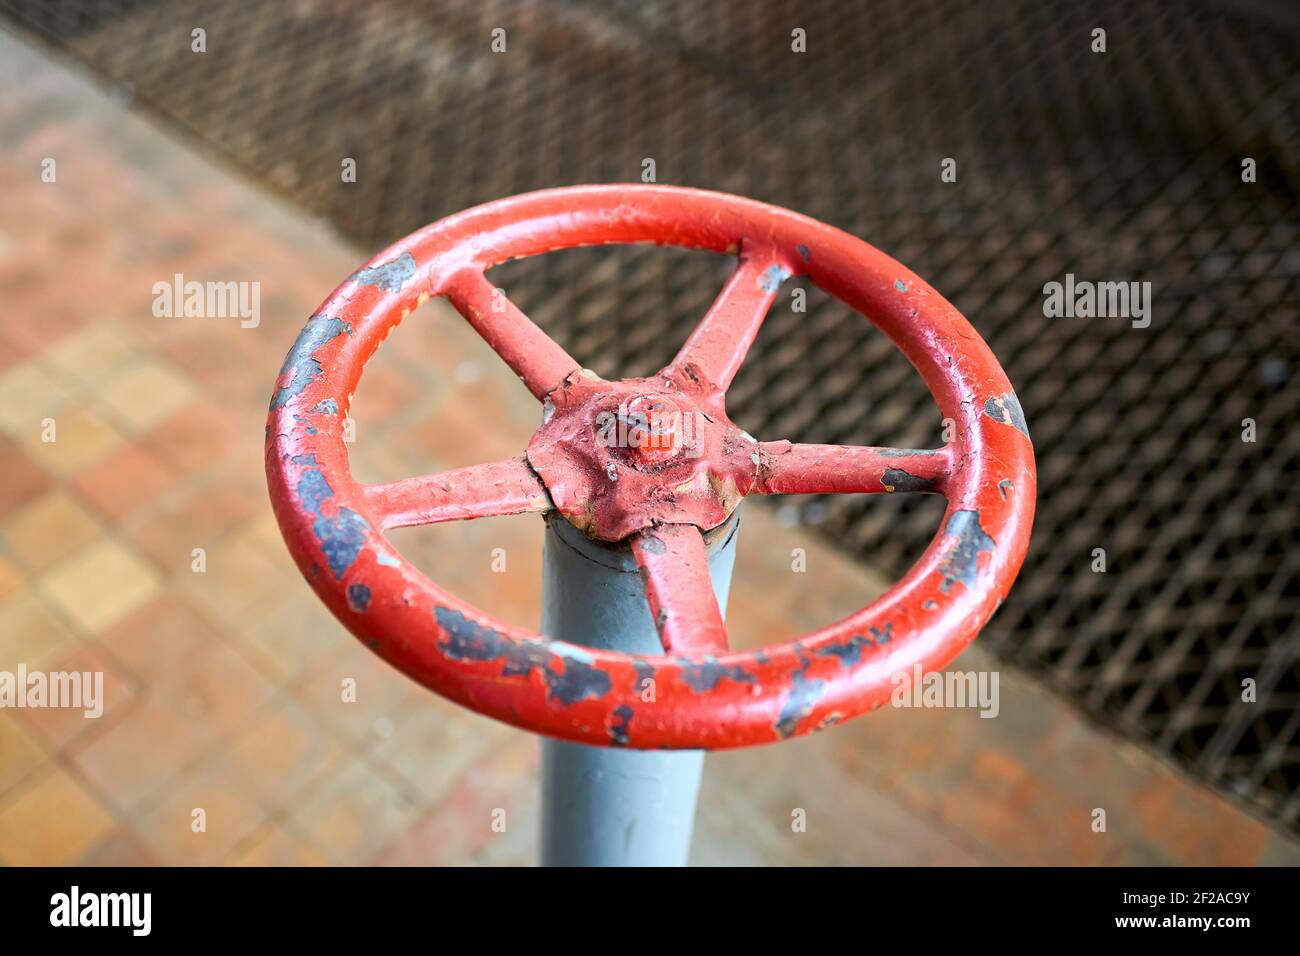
[[1122, 689]]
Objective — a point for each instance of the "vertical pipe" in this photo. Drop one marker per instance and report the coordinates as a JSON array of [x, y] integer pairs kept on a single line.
[[604, 806]]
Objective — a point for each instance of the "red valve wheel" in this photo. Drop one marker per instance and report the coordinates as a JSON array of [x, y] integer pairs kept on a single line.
[[684, 471]]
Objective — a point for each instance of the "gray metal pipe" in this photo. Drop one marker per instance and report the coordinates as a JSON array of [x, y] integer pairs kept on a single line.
[[603, 806]]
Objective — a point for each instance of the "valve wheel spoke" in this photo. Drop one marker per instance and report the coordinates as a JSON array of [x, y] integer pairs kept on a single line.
[[506, 487], [533, 355], [674, 567], [718, 345], [797, 469]]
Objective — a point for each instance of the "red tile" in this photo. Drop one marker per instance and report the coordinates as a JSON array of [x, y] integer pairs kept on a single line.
[[140, 754], [160, 638], [199, 520], [125, 481], [21, 479], [122, 847], [194, 439]]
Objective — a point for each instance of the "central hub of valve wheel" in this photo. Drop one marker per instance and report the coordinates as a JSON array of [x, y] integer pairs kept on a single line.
[[620, 457], [652, 425]]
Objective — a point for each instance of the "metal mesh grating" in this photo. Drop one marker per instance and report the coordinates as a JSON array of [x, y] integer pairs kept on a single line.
[[1118, 166]]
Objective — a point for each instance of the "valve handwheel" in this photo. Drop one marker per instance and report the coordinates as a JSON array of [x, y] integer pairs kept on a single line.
[[659, 491]]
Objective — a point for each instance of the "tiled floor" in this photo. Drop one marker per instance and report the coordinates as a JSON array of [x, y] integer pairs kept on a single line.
[[223, 673]]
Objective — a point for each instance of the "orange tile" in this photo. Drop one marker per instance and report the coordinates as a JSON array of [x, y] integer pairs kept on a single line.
[[89, 354], [431, 745], [459, 438], [355, 810], [82, 437], [29, 393], [23, 753], [184, 660], [229, 363], [11, 578], [133, 759], [125, 481], [160, 638], [389, 392], [239, 579], [281, 751], [52, 821], [1177, 819], [32, 633], [293, 636], [203, 816], [99, 585], [59, 319], [14, 348], [355, 693], [218, 689], [122, 847], [21, 479], [143, 393], [199, 519], [273, 845], [50, 528], [196, 438], [486, 805]]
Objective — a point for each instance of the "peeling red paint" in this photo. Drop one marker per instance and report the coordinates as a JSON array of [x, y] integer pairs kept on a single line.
[[661, 498]]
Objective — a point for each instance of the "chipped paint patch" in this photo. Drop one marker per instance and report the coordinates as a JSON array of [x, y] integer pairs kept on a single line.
[[327, 407], [900, 285], [1006, 410], [772, 277], [1004, 486], [849, 652], [895, 479], [645, 671], [804, 694], [468, 640], [618, 725], [359, 598], [962, 563], [704, 676], [319, 330], [652, 545], [341, 536], [578, 681], [341, 539], [389, 276]]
